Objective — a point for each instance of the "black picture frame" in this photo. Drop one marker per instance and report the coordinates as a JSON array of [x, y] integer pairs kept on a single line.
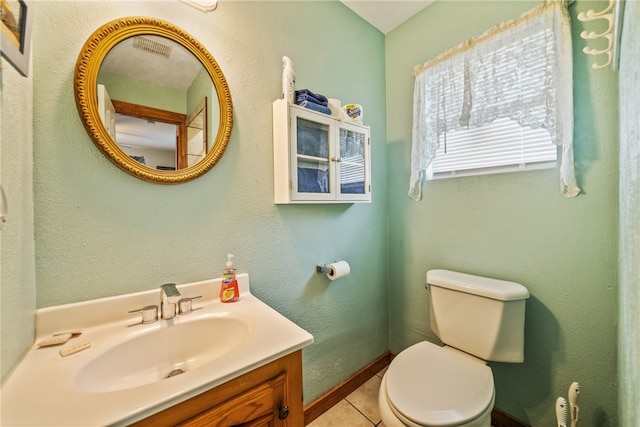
[[16, 17]]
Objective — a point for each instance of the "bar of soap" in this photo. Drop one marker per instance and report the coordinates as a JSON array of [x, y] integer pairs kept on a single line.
[[68, 351], [73, 333], [55, 340]]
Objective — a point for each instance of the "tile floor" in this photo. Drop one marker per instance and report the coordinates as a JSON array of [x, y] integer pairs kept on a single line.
[[359, 409]]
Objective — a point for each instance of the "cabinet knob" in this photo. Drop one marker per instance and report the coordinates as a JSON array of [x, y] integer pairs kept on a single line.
[[284, 412]]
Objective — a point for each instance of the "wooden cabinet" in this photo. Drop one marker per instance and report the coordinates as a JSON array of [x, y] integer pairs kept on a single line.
[[318, 158], [267, 396], [259, 406]]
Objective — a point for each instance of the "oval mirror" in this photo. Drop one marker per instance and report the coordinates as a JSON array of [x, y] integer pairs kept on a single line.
[[153, 100]]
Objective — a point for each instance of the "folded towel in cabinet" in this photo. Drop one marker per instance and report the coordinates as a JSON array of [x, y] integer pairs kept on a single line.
[[307, 95], [315, 107], [313, 180]]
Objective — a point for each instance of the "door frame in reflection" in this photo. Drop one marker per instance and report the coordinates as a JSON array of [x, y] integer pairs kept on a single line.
[[163, 116]]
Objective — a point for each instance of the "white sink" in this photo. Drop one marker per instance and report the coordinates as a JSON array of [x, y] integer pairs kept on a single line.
[[167, 350], [121, 377]]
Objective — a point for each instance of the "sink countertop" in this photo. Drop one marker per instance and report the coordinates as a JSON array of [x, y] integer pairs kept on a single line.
[[42, 390]]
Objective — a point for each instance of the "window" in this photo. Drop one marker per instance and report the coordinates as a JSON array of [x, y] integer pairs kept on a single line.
[[501, 102]]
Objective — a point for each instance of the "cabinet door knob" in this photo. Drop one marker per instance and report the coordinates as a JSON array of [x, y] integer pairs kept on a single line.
[[284, 412]]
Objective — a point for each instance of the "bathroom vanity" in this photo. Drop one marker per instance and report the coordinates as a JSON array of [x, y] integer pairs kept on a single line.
[[213, 364]]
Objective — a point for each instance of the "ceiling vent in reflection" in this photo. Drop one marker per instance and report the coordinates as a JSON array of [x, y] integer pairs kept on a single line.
[[151, 46]]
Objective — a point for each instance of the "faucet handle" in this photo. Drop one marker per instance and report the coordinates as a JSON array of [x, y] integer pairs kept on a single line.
[[149, 314], [185, 306]]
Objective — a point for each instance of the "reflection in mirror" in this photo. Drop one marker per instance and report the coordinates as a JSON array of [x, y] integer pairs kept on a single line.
[[149, 140], [153, 100], [197, 130], [151, 83]]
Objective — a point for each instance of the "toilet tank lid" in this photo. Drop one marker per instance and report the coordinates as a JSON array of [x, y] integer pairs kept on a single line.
[[501, 290]]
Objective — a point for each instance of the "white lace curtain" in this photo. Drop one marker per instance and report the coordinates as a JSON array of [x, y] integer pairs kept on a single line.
[[521, 70]]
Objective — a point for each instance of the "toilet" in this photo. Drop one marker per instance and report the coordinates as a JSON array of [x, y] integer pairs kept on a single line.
[[478, 319]]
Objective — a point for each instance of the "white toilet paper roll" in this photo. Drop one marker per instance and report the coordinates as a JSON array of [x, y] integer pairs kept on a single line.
[[338, 269]]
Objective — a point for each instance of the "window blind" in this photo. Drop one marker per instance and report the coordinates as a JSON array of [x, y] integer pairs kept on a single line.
[[502, 146]]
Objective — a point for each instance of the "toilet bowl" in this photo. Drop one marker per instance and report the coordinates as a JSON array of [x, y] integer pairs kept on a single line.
[[427, 385]]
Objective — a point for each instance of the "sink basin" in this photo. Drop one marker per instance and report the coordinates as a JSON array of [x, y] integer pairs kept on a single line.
[[132, 372], [164, 351]]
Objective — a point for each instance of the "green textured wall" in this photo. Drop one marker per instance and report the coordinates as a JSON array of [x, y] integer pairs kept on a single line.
[[101, 232], [514, 226], [17, 250]]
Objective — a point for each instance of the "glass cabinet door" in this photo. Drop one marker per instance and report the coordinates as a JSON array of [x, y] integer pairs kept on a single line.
[[353, 176], [313, 168]]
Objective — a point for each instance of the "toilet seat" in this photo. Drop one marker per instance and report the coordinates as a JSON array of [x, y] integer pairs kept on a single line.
[[428, 385]]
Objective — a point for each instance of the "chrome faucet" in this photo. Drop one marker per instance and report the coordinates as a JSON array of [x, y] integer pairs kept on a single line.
[[169, 296]]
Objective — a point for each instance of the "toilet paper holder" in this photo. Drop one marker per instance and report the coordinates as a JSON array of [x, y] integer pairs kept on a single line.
[[334, 270], [322, 268]]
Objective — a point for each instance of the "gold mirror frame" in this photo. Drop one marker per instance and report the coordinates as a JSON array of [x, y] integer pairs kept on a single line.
[[85, 83]]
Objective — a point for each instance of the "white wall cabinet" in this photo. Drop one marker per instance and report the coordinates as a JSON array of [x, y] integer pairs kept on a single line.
[[318, 158]]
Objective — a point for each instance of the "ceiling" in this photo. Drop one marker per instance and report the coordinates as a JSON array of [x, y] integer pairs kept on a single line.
[[386, 15], [177, 68]]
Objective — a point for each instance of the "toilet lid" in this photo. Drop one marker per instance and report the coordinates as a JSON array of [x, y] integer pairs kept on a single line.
[[433, 386]]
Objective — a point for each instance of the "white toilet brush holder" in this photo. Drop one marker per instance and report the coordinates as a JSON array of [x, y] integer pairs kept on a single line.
[[561, 412], [574, 393]]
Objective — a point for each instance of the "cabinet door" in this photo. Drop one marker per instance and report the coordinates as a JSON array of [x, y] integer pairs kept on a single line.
[[353, 163], [312, 171], [257, 407]]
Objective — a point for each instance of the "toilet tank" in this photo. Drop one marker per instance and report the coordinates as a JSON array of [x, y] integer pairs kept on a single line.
[[478, 315]]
